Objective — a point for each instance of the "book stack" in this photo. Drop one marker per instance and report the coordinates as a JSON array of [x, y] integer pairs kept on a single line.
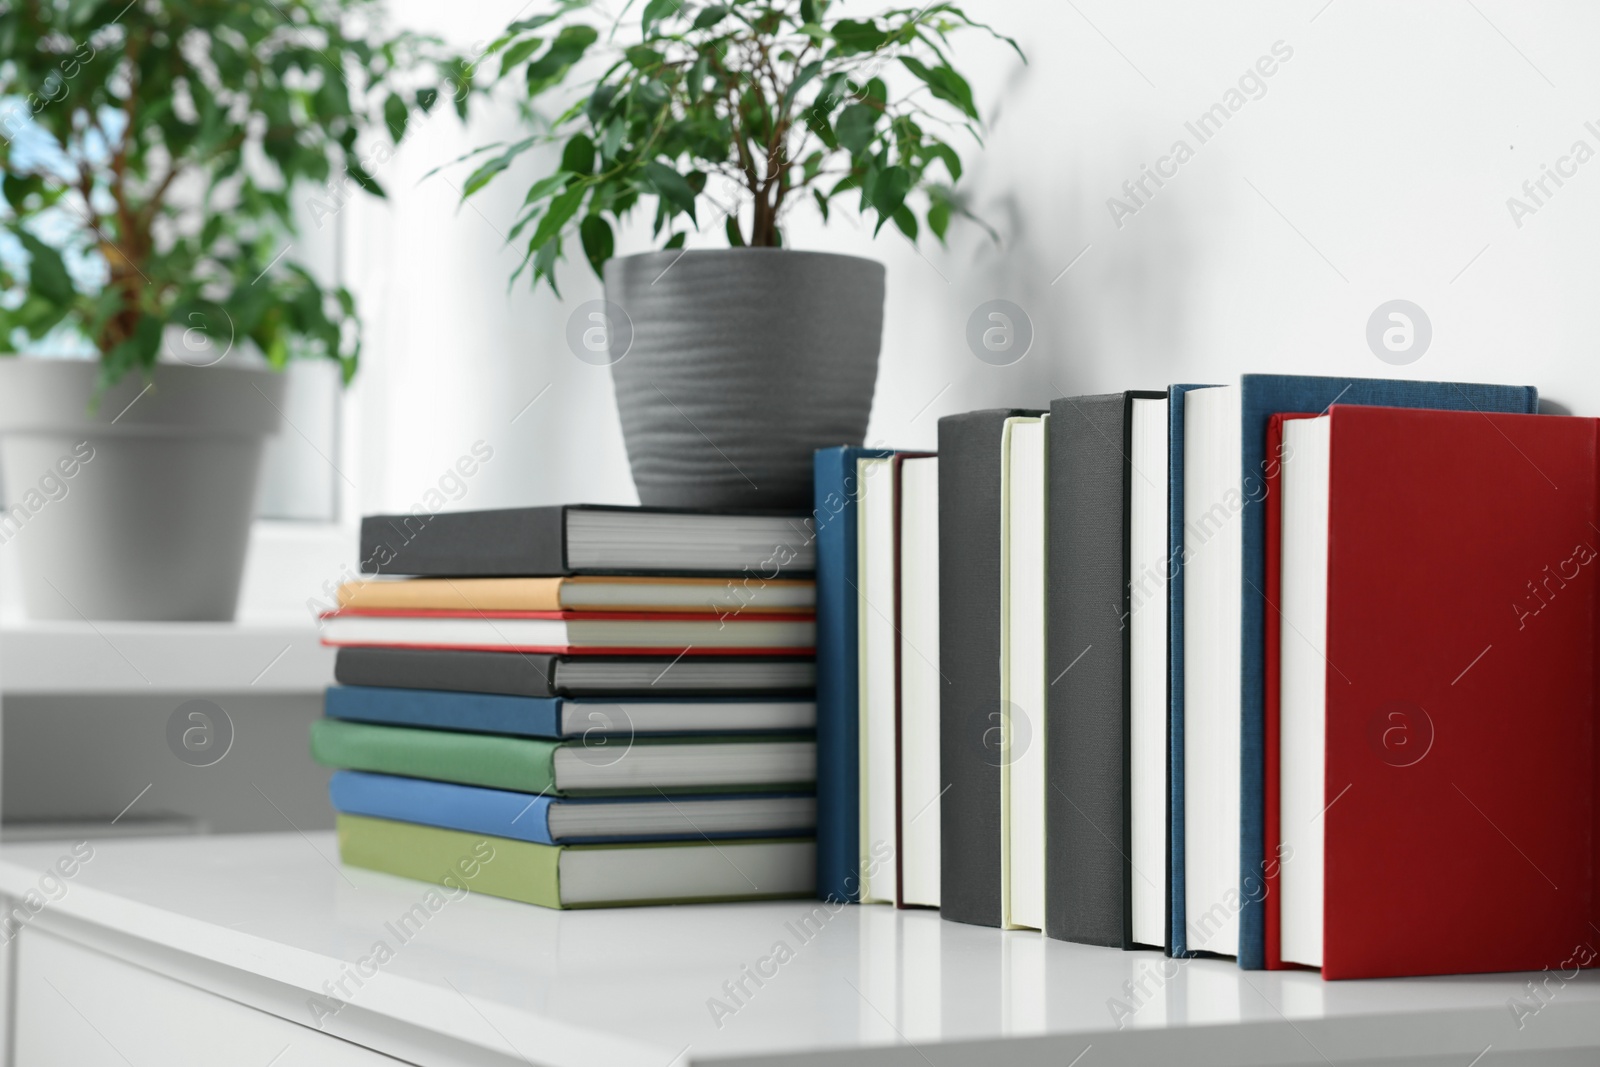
[[578, 706]]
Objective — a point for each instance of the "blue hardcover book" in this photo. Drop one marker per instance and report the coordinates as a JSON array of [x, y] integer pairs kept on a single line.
[[547, 820], [1262, 396], [1177, 942], [486, 713], [561, 717], [838, 677]]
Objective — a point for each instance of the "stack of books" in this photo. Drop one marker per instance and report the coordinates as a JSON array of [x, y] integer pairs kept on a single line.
[[578, 706]]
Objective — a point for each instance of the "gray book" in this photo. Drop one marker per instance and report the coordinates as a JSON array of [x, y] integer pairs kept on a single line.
[[1089, 840], [969, 658]]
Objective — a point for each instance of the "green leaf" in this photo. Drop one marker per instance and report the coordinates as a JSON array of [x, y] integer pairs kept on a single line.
[[822, 203], [138, 350], [578, 156], [524, 25], [735, 238], [486, 171], [856, 127], [808, 11], [710, 16], [519, 52], [888, 193], [545, 187], [426, 98], [47, 274], [561, 210], [671, 187], [395, 114], [655, 11], [945, 84], [645, 58], [676, 240], [939, 218], [907, 222], [544, 264], [568, 47], [359, 175], [854, 36], [598, 242], [809, 71], [17, 187], [942, 151]]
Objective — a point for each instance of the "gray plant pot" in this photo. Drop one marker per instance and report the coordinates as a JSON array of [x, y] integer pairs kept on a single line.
[[740, 363], [141, 508]]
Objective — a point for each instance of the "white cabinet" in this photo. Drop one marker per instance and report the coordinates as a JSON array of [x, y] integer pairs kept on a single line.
[[77, 1007]]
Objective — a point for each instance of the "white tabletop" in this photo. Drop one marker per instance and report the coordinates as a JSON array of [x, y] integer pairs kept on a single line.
[[268, 918]]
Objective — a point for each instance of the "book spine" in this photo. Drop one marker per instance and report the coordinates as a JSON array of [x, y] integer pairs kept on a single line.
[[529, 675], [970, 715], [517, 542], [1088, 841], [518, 764], [838, 684], [479, 712], [1177, 938], [461, 862], [441, 804]]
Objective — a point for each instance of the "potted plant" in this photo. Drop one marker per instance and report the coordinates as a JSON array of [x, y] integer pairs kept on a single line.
[[155, 154], [731, 365]]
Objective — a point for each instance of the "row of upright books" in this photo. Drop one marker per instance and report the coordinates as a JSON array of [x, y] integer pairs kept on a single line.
[[577, 706], [1299, 671]]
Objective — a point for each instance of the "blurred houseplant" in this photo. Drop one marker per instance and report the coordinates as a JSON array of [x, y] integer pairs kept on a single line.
[[154, 156], [731, 365]]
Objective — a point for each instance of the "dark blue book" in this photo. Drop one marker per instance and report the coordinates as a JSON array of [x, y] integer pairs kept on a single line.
[[1177, 942], [565, 717], [838, 678], [547, 820], [1260, 397]]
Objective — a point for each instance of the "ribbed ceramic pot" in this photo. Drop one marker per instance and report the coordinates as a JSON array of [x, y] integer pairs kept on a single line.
[[734, 365], [141, 507]]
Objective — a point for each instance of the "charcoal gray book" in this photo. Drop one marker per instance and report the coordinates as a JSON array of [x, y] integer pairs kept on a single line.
[[1089, 874], [970, 749], [547, 675], [588, 539]]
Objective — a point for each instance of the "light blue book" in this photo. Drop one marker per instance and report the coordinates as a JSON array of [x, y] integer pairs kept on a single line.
[[548, 820]]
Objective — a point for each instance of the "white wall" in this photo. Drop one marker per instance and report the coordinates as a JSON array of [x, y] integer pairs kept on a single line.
[[1377, 165]]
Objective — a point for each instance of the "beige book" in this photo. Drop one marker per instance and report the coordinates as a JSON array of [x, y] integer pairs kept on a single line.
[[720, 596]]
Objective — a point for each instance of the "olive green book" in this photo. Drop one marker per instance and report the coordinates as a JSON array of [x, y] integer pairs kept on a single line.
[[582, 876], [589, 765]]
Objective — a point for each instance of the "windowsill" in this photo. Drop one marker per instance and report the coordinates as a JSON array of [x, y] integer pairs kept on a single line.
[[251, 656]]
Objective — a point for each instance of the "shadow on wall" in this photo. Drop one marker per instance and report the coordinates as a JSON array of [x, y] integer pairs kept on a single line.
[[1109, 309]]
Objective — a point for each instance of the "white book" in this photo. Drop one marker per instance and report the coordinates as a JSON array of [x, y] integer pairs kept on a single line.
[[1022, 672], [550, 632], [1213, 542], [1147, 669], [876, 647], [920, 682]]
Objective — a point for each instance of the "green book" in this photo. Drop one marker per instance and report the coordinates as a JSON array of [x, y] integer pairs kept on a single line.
[[563, 768], [582, 876]]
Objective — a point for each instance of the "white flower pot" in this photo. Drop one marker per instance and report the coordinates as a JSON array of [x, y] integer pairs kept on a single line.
[[141, 507]]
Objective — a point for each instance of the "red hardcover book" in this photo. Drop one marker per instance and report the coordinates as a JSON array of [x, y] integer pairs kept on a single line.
[[576, 632], [1437, 674], [1274, 518]]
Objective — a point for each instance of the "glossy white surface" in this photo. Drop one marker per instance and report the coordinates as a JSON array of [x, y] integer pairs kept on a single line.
[[267, 919], [163, 657]]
